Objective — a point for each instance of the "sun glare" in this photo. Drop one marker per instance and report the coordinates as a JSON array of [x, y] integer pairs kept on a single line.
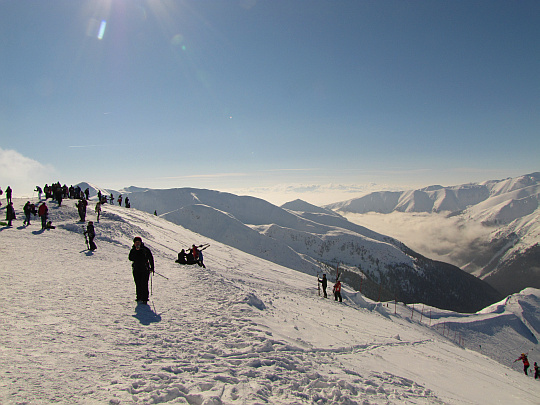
[[102, 29]]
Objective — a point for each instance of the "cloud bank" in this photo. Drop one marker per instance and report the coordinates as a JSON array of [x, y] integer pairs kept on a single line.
[[21, 173], [317, 194], [451, 240]]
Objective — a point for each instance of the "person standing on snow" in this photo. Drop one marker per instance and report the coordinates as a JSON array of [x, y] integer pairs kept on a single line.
[[536, 371], [91, 232], [526, 363], [39, 191], [8, 194], [98, 209], [10, 213], [201, 257], [337, 291], [81, 206], [43, 212], [27, 209], [324, 283], [143, 265]]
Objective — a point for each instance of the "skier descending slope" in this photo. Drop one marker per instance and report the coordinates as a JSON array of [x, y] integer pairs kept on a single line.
[[143, 265]]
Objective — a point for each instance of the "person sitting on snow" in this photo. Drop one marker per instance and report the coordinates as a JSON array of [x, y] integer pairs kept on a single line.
[[182, 257]]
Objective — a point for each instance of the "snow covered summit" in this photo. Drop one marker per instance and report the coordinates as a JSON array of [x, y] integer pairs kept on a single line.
[[242, 331]]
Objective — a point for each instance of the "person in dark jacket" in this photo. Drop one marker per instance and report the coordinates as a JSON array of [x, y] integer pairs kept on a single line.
[[27, 209], [143, 265], [91, 232], [182, 257], [8, 194], [10, 213], [324, 282], [81, 207]]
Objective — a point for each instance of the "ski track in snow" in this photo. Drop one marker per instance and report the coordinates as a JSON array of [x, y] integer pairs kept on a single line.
[[73, 334]]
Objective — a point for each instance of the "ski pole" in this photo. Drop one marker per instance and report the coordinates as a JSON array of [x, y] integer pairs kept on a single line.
[[160, 275]]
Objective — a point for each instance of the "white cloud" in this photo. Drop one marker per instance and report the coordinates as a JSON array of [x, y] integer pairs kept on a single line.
[[21, 173], [452, 240], [317, 194]]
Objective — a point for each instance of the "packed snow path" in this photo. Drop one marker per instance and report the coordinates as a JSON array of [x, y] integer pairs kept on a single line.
[[234, 333]]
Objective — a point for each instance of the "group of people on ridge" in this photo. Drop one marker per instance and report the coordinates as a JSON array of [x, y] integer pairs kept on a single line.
[[29, 209], [194, 255]]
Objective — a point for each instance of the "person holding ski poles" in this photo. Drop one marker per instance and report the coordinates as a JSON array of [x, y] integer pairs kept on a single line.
[[324, 283], [143, 265], [526, 363]]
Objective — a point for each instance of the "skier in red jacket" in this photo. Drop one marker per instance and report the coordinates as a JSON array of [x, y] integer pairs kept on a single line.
[[337, 291], [525, 360]]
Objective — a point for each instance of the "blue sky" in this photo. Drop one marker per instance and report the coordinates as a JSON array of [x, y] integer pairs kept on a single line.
[[268, 95]]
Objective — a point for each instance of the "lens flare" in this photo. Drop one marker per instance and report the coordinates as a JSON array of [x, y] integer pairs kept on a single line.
[[102, 29]]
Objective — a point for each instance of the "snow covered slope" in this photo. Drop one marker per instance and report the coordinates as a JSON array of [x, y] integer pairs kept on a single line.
[[242, 331], [505, 253], [301, 240]]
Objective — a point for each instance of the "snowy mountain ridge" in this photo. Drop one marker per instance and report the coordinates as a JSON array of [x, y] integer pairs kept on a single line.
[[506, 253], [452, 199], [315, 241], [243, 330]]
